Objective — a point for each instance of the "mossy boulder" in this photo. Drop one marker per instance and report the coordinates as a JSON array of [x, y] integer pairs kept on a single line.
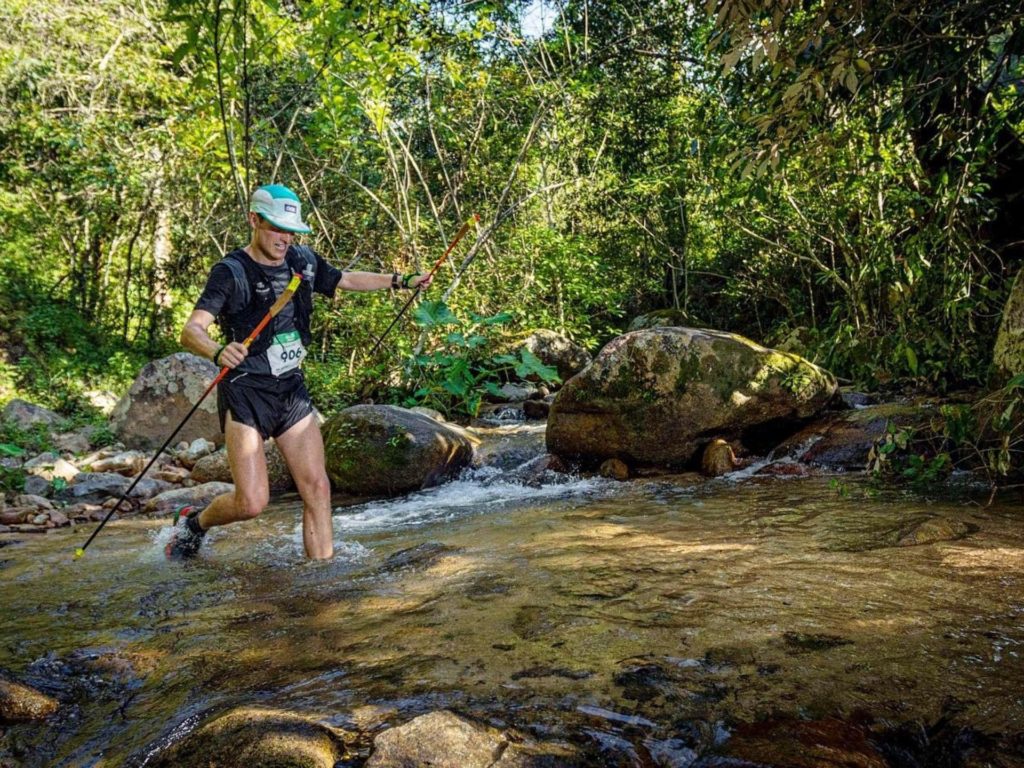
[[161, 396], [1008, 354], [656, 397], [383, 450], [20, 703], [250, 737]]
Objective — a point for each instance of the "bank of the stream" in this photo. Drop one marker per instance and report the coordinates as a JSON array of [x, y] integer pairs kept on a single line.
[[644, 624]]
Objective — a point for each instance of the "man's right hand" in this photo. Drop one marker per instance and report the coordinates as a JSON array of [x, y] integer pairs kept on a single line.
[[232, 355]]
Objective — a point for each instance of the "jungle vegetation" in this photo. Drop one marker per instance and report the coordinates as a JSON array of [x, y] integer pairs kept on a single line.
[[842, 180]]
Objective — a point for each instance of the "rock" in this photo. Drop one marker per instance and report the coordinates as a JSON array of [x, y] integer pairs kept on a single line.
[[83, 512], [37, 486], [1008, 352], [16, 515], [251, 737], [41, 464], [58, 518], [161, 396], [215, 468], [196, 450], [41, 519], [533, 472], [386, 450], [536, 409], [507, 450], [31, 500], [171, 474], [614, 469], [74, 442], [561, 353], [49, 466], [101, 399], [26, 416], [651, 397], [440, 740], [718, 458], [127, 463], [429, 412], [513, 393], [97, 486], [19, 703], [842, 441], [932, 531], [661, 318], [856, 399], [197, 496]]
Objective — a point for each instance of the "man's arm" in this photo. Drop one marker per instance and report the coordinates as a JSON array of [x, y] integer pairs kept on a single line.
[[374, 281], [196, 338]]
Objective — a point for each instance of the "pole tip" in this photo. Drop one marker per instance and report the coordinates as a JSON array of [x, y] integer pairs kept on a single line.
[[79, 552]]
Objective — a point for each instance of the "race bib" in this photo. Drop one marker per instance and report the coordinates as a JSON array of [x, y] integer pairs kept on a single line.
[[285, 353]]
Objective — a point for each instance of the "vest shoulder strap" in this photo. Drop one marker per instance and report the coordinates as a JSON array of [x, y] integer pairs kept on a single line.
[[241, 278]]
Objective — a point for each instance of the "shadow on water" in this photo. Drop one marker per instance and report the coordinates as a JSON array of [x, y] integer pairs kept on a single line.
[[759, 623]]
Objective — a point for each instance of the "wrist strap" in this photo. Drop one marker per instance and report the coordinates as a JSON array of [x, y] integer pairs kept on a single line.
[[407, 278], [395, 277], [217, 354]]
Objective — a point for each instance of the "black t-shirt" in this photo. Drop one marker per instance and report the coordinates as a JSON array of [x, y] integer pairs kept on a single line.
[[221, 296]]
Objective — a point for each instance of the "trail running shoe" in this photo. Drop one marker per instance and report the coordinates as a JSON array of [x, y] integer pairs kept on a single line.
[[187, 538]]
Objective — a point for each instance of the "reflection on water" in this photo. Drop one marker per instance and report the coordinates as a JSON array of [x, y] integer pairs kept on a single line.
[[651, 623]]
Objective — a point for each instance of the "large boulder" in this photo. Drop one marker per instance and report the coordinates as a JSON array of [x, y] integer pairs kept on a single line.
[[161, 396], [1008, 353], [560, 352], [656, 397], [258, 738], [375, 450]]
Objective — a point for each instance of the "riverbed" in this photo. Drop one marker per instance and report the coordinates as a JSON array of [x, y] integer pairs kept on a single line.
[[647, 623]]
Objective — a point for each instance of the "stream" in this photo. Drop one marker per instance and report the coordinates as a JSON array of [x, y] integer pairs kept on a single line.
[[649, 623]]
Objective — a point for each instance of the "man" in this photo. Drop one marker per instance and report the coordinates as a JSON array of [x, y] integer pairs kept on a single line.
[[264, 395]]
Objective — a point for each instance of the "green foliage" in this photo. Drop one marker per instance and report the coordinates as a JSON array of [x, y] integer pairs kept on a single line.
[[900, 454], [456, 376]]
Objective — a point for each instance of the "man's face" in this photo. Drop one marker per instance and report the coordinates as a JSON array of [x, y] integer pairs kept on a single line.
[[272, 242]]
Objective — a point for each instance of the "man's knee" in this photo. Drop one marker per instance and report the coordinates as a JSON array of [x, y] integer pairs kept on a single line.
[[249, 505], [315, 484]]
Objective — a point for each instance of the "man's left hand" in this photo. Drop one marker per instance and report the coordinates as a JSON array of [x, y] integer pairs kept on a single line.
[[420, 281]]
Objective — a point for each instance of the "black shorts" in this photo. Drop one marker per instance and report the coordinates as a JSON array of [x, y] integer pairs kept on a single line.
[[268, 404]]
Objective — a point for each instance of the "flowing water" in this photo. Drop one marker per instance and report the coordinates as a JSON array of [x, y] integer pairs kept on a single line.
[[648, 623]]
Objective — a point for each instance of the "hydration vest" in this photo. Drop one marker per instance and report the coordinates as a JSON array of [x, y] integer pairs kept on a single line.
[[255, 291]]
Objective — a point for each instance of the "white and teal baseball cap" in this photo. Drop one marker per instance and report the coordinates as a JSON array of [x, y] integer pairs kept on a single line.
[[280, 206]]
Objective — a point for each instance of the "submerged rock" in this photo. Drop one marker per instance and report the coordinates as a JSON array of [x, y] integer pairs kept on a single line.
[[614, 469], [655, 397], [445, 740], [160, 397], [20, 703], [386, 450], [932, 531], [258, 738]]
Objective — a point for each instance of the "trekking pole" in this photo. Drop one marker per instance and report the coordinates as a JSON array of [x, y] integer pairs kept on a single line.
[[278, 305], [437, 265]]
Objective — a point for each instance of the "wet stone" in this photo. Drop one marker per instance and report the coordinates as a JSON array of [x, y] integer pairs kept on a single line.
[[21, 703], [421, 556], [801, 641]]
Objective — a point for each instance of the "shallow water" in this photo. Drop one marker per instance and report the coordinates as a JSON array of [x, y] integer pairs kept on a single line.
[[645, 622]]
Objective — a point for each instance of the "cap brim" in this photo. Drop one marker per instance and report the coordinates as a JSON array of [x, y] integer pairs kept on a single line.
[[301, 229]]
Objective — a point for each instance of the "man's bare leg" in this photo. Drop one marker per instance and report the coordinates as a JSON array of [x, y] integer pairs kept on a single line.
[[303, 449], [249, 472]]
